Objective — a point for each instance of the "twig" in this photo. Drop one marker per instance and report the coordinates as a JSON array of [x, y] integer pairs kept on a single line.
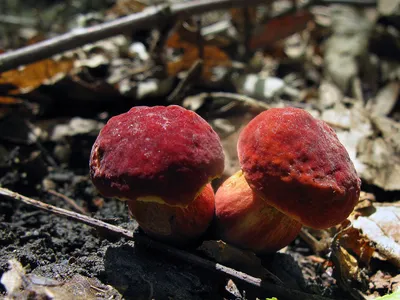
[[70, 201], [67, 213], [145, 19], [312, 242], [277, 290], [192, 74], [244, 100]]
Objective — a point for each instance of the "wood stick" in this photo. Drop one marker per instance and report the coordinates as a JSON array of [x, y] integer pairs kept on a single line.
[[273, 289], [146, 19], [71, 202]]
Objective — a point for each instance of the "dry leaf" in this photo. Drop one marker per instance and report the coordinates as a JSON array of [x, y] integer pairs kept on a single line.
[[346, 46], [347, 271], [239, 15], [9, 100], [380, 153], [373, 143], [29, 286], [352, 240], [383, 229], [126, 7], [280, 28], [385, 100], [29, 77], [187, 41]]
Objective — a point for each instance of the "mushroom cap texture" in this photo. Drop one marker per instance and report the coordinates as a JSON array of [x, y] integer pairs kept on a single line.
[[167, 152], [247, 221], [297, 164], [176, 225]]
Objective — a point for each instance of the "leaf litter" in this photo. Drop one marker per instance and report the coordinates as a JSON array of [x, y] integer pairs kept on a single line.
[[332, 60]]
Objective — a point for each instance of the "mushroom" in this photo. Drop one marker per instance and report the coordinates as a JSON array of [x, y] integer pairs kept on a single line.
[[178, 225], [297, 165], [164, 155], [247, 221], [294, 172]]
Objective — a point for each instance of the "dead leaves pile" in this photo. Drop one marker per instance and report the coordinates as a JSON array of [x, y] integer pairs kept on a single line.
[[28, 286], [320, 59]]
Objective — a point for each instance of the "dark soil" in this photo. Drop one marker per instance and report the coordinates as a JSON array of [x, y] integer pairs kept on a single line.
[[58, 248]]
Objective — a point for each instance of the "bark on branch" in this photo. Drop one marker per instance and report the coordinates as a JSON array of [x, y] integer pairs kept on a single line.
[[146, 19]]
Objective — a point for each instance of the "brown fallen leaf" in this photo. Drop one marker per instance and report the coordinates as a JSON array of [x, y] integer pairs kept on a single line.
[[347, 271], [240, 16], [280, 28], [352, 240], [29, 77], [20, 285], [4, 100], [125, 7], [188, 42]]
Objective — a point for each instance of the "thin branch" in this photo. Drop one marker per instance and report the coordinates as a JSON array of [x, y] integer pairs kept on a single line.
[[192, 74], [67, 213], [276, 290], [71, 202], [145, 19], [242, 99]]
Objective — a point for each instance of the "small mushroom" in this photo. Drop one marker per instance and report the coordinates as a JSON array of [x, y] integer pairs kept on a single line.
[[178, 225], [247, 221], [162, 158], [297, 165]]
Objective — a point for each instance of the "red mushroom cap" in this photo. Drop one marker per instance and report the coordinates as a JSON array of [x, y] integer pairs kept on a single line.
[[166, 153], [297, 164], [247, 221]]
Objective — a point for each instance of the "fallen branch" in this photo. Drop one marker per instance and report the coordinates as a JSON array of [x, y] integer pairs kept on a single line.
[[145, 19], [71, 202], [276, 290]]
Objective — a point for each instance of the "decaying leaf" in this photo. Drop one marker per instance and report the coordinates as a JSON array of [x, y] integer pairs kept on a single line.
[[381, 154], [20, 285], [76, 126], [352, 240], [9, 100], [240, 16], [364, 207], [382, 228], [373, 143], [29, 77], [233, 290], [385, 100], [280, 28], [383, 283], [347, 271], [126, 7], [188, 42], [347, 45]]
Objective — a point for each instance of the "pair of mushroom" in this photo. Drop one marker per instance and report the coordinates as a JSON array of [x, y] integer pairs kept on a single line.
[[162, 160]]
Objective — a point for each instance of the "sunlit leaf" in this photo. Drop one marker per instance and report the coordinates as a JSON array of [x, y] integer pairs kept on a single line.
[[29, 77]]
